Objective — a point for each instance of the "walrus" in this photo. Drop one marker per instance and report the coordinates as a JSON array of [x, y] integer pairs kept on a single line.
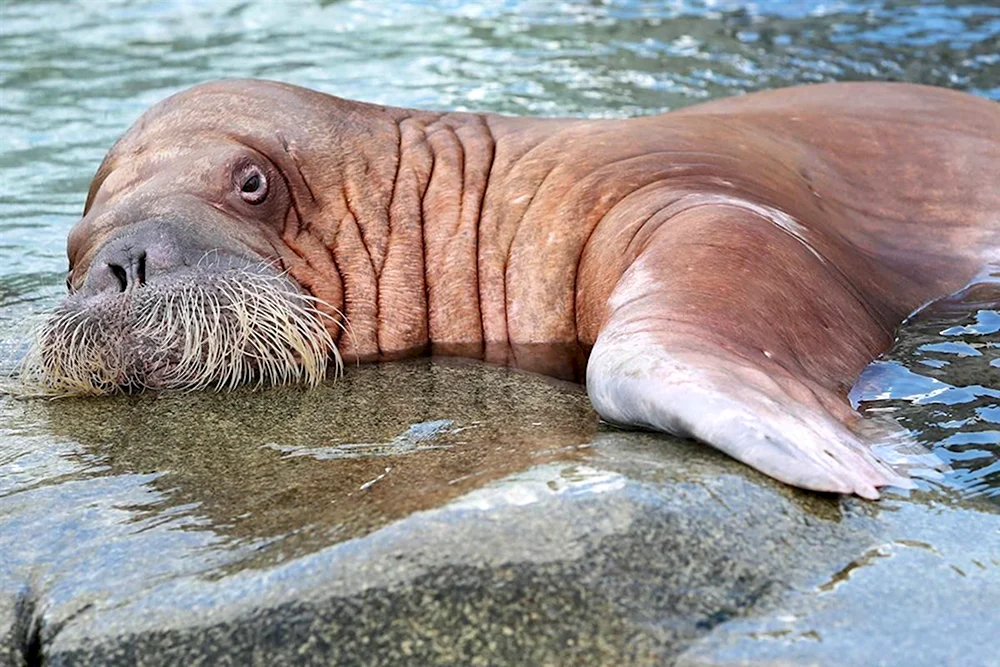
[[724, 271]]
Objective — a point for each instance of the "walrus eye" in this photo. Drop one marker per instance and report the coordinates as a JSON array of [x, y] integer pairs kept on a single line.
[[254, 186]]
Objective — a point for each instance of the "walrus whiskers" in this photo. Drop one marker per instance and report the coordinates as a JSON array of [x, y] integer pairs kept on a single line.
[[212, 331]]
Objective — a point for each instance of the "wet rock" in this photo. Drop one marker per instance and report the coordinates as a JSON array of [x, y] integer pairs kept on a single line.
[[930, 598], [444, 513]]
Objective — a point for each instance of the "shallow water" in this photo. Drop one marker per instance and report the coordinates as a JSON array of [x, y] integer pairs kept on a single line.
[[73, 80], [109, 499]]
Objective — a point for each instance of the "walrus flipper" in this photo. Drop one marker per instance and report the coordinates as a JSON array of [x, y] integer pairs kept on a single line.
[[679, 352]]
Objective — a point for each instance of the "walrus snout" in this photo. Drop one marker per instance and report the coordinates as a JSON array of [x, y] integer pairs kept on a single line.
[[157, 249]]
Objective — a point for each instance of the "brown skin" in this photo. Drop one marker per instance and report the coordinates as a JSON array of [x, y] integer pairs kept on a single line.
[[773, 241]]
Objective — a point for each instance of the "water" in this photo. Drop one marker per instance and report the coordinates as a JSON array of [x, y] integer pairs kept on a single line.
[[73, 79]]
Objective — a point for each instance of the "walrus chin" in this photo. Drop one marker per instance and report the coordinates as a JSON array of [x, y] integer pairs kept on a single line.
[[198, 330]]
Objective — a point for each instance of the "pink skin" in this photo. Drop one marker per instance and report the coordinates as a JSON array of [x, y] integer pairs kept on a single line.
[[730, 268]]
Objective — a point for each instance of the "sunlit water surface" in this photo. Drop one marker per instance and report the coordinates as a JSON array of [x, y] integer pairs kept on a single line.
[[74, 77]]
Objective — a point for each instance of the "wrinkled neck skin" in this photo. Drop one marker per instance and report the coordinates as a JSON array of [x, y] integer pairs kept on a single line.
[[483, 236], [435, 247], [502, 238]]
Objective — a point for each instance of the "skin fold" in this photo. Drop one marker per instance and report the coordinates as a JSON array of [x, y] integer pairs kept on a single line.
[[722, 272]]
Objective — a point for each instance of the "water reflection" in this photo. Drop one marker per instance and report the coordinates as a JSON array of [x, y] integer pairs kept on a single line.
[[318, 467]]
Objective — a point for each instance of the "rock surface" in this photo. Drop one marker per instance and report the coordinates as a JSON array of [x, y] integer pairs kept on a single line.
[[453, 513]]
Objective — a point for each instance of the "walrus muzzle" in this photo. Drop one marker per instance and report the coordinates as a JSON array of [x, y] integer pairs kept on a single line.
[[203, 329], [165, 307]]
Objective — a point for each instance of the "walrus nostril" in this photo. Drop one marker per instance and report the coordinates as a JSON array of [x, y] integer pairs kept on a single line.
[[140, 269], [119, 273]]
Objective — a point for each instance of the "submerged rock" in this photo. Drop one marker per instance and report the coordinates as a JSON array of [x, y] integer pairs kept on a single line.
[[449, 512]]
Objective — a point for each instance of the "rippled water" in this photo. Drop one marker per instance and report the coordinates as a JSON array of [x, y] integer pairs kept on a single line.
[[74, 76]]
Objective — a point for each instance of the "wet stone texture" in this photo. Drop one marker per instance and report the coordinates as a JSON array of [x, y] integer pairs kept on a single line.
[[449, 512]]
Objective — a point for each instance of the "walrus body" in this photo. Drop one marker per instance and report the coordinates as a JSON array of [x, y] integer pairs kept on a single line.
[[728, 268]]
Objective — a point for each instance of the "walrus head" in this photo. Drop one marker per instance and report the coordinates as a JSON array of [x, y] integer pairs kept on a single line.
[[203, 255]]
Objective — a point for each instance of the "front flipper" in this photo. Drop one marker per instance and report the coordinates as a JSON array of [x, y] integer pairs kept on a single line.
[[728, 329]]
